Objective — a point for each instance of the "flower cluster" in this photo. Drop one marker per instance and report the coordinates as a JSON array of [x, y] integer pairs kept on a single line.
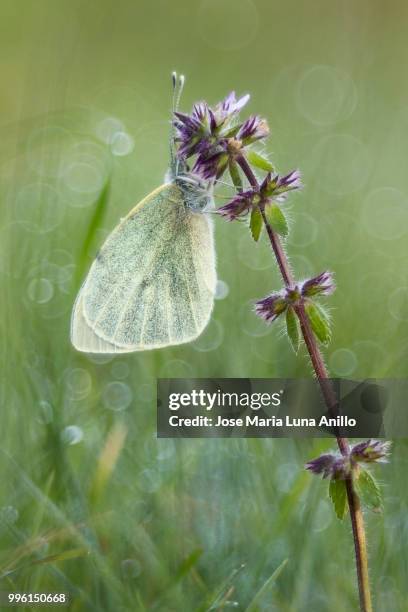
[[329, 465], [336, 466], [270, 307], [215, 136], [371, 451], [273, 187]]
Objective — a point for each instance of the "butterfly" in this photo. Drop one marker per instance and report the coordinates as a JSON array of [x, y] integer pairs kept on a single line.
[[153, 281]]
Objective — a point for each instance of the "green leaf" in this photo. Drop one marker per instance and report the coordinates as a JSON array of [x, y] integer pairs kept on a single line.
[[256, 223], [292, 327], [100, 208], [319, 321], [188, 563], [369, 491], [276, 218], [235, 175], [259, 162], [338, 495], [257, 601]]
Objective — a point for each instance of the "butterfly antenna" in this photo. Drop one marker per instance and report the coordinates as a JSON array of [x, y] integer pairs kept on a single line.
[[178, 86]]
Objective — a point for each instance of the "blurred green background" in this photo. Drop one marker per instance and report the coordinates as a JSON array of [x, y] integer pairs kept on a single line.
[[91, 502]]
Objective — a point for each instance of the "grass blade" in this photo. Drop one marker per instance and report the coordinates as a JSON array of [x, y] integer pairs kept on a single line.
[[253, 606]]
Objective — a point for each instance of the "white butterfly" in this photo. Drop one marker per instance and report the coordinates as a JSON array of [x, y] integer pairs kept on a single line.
[[152, 284]]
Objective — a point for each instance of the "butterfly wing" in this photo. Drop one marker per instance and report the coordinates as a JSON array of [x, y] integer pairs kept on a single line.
[[152, 284]]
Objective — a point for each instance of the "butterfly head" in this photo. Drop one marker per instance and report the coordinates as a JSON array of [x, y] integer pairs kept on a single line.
[[197, 192]]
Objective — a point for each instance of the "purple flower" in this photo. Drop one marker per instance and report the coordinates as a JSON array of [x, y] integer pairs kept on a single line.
[[272, 306], [371, 451], [212, 160], [296, 294], [277, 187], [193, 131], [239, 206], [323, 284], [328, 465], [253, 129], [212, 134], [230, 106]]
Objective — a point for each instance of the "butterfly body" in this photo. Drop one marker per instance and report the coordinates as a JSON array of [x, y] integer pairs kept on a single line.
[[152, 284]]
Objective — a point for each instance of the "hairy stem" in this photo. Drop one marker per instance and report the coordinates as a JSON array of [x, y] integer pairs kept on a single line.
[[319, 367]]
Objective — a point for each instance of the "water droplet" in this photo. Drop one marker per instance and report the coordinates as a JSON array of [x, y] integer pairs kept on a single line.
[[221, 290], [100, 359], [78, 383], [211, 338], [84, 177], [398, 304], [72, 435], [270, 352], [108, 128], [176, 368], [45, 412], [302, 265], [84, 173], [325, 95], [304, 231], [117, 396], [40, 290], [343, 362], [66, 277], [120, 369], [122, 144], [60, 257], [251, 324], [385, 213], [371, 357], [38, 208]]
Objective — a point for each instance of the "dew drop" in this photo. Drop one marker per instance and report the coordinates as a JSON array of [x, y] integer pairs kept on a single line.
[[72, 435], [343, 362], [122, 144], [78, 383], [38, 208], [40, 290], [325, 95], [221, 290], [211, 338], [120, 369], [108, 128], [117, 396], [45, 412]]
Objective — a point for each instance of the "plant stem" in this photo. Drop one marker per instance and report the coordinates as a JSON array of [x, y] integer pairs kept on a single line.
[[319, 367]]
